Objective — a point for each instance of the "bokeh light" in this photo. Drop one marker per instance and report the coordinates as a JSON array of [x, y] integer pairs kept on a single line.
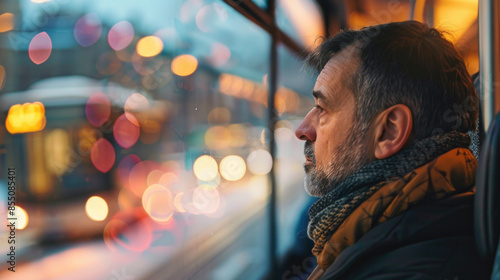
[[284, 134], [126, 199], [126, 130], [150, 131], [158, 202], [232, 168], [184, 65], [124, 168], [129, 230], [154, 177], [28, 117], [40, 48], [96, 208], [120, 35], [210, 16], [102, 155], [57, 145], [6, 22], [219, 115], [259, 162], [239, 135], [206, 199], [219, 54], [205, 168], [21, 217], [286, 100], [178, 203], [217, 137], [149, 46], [188, 204], [168, 179], [98, 109], [136, 103], [138, 177], [88, 29]]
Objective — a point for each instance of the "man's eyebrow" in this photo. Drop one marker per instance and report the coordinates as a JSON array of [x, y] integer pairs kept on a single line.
[[318, 94]]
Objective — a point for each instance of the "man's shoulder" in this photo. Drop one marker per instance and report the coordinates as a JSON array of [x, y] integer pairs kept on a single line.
[[431, 241]]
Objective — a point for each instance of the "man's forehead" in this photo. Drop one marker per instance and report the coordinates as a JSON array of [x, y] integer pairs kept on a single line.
[[338, 70]]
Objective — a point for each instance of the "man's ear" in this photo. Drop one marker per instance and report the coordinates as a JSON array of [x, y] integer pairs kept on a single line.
[[392, 131]]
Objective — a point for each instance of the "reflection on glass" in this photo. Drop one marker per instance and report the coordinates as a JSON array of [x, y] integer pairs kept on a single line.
[[150, 110]]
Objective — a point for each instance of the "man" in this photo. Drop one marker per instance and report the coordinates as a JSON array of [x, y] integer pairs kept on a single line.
[[387, 153]]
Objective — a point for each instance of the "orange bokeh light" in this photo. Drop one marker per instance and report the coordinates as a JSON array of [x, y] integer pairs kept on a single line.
[[28, 117], [178, 203], [138, 176], [158, 202], [6, 22], [184, 65], [149, 46]]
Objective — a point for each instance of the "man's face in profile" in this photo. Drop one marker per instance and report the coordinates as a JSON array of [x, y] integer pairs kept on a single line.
[[335, 142]]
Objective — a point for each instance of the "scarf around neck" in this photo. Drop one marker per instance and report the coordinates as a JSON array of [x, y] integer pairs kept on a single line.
[[331, 210]]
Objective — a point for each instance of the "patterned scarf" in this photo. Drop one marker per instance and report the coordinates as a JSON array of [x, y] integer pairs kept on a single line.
[[331, 210]]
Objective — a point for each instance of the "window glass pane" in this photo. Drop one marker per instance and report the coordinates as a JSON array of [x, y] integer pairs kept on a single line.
[[293, 101], [261, 3], [301, 20], [137, 134]]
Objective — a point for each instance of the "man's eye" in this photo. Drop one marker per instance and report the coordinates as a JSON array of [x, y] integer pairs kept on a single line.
[[319, 108]]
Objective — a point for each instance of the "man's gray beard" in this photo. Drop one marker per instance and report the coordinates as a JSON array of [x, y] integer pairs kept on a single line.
[[349, 157]]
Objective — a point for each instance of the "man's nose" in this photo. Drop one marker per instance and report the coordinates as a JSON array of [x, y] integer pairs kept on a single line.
[[306, 131]]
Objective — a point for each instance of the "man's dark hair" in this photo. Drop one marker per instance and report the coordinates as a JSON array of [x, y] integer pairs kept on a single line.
[[407, 63]]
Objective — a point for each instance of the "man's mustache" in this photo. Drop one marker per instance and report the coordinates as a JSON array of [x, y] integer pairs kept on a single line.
[[309, 151]]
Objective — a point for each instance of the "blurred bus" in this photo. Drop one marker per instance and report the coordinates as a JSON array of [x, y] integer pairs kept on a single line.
[[60, 140]]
